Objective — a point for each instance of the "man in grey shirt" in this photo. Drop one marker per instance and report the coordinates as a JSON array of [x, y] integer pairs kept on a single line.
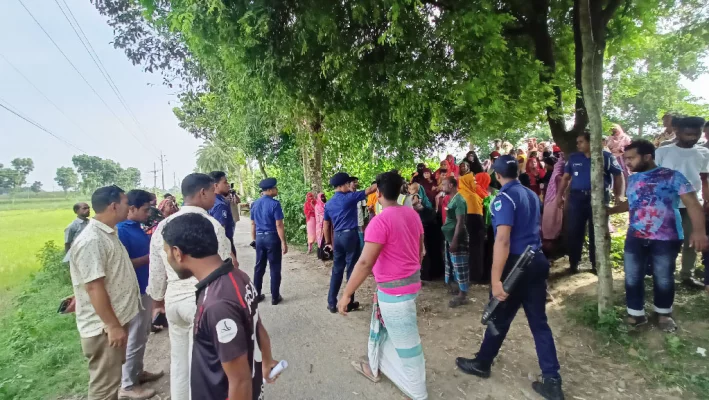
[[82, 211]]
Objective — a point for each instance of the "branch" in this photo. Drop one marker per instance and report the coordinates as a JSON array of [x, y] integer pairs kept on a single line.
[[610, 9]]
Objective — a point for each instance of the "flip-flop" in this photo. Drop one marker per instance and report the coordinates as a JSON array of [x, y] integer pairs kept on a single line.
[[457, 301], [669, 325], [639, 321], [359, 367]]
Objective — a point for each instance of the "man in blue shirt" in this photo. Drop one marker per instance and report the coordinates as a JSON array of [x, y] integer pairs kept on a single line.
[[137, 243], [222, 207], [515, 220], [269, 235], [577, 172], [341, 217]]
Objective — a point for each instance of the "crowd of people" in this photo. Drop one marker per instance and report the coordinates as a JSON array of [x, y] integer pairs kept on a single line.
[[468, 221]]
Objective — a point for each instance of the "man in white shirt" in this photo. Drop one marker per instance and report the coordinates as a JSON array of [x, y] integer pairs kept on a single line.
[[692, 161], [175, 296], [106, 291]]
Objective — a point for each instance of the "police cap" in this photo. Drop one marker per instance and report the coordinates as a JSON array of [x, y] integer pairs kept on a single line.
[[505, 165], [339, 179], [268, 183]]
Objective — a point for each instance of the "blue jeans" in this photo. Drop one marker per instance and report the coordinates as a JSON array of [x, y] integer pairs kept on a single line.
[[531, 294], [346, 253], [662, 254], [268, 248], [361, 240]]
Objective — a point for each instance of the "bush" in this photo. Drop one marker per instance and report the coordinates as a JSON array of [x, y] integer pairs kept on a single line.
[[40, 350]]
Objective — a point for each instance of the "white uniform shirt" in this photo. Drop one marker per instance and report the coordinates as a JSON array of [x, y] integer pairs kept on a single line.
[[163, 283], [690, 162], [98, 253]]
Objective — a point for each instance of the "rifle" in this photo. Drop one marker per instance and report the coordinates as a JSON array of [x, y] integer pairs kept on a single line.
[[508, 285]]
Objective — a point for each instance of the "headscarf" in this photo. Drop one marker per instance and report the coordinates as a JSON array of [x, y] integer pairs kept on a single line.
[[558, 171], [424, 198], [452, 166], [309, 206], [531, 170], [467, 189], [319, 205], [616, 143], [483, 182], [319, 218]]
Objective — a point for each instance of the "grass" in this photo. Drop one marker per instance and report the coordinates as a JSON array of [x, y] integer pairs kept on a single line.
[[668, 360], [40, 350], [23, 231]]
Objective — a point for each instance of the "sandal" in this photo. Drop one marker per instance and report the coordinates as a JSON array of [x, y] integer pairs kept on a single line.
[[457, 301], [668, 325], [359, 367], [636, 321]]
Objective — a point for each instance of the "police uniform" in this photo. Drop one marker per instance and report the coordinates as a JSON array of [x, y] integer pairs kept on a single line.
[[341, 212], [518, 207], [579, 201], [264, 213], [221, 211]]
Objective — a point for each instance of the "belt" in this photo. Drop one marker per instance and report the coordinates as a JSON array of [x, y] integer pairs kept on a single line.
[[265, 233], [347, 230], [409, 280], [584, 192]]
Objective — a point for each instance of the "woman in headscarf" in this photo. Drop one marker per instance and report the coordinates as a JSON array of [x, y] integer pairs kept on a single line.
[[476, 166], [432, 265], [453, 167], [319, 218], [553, 217], [428, 185], [309, 211], [616, 143], [536, 174], [418, 175], [467, 188], [483, 189]]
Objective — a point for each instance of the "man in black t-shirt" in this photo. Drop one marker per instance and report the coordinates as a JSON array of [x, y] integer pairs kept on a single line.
[[232, 350]]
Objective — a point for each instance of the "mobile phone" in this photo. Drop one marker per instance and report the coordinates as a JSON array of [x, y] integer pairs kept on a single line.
[[64, 305]]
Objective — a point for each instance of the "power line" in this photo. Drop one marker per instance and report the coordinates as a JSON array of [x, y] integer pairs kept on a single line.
[[27, 119], [82, 75], [42, 93], [99, 64]]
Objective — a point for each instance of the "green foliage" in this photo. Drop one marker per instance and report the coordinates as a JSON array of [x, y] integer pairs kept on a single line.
[[40, 350], [66, 178], [13, 178], [36, 187], [97, 172]]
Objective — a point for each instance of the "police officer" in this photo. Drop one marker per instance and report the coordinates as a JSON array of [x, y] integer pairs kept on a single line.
[[269, 234], [221, 211], [577, 171], [341, 216], [515, 219]]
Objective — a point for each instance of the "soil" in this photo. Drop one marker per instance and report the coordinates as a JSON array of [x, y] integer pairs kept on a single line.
[[319, 345]]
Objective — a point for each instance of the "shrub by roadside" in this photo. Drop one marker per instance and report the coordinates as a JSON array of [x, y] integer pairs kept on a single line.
[[40, 351]]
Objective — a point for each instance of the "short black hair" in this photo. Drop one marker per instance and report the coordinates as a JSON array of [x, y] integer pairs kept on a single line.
[[104, 196], [586, 135], [389, 185], [676, 121], [193, 234], [195, 182], [452, 181], [692, 123], [166, 195], [642, 146], [138, 197], [217, 175], [77, 206]]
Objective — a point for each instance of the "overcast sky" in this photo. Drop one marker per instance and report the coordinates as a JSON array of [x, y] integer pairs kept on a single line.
[[98, 132], [90, 125]]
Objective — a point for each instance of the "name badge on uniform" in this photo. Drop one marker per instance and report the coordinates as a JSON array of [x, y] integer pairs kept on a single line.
[[498, 205], [576, 173]]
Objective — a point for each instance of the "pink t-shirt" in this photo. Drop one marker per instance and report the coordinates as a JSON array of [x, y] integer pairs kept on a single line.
[[399, 230]]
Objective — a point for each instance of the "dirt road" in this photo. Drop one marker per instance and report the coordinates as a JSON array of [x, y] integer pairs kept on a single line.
[[319, 345]]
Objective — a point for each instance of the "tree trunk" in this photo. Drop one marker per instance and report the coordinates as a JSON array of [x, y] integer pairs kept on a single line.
[[262, 168], [316, 161], [241, 180], [252, 186], [640, 130], [593, 28]]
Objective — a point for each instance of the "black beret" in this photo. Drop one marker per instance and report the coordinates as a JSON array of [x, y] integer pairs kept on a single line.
[[267, 183]]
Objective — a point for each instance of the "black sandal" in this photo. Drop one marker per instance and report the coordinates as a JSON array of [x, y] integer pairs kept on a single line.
[[637, 321]]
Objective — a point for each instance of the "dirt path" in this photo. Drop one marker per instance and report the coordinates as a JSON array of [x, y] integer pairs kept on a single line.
[[319, 345]]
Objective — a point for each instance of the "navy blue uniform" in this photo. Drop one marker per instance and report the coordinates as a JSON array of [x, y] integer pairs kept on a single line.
[[264, 213], [579, 201], [341, 211], [221, 211], [518, 207]]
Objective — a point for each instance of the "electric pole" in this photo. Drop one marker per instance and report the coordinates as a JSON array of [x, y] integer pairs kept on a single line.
[[155, 176], [174, 179], [162, 170]]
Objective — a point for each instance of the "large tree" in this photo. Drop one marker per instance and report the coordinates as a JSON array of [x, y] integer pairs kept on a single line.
[[66, 178], [22, 167]]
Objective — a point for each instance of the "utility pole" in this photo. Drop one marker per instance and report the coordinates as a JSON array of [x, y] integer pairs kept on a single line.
[[162, 169], [174, 179], [155, 176]]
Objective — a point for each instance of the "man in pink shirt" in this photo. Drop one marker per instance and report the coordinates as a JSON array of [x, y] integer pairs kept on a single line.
[[393, 251]]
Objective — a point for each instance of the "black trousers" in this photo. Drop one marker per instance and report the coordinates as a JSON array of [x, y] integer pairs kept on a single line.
[[475, 226]]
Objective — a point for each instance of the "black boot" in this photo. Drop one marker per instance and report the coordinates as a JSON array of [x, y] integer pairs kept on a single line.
[[473, 366], [549, 388]]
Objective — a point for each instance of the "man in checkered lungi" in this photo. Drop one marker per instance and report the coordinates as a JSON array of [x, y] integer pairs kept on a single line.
[[457, 269]]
